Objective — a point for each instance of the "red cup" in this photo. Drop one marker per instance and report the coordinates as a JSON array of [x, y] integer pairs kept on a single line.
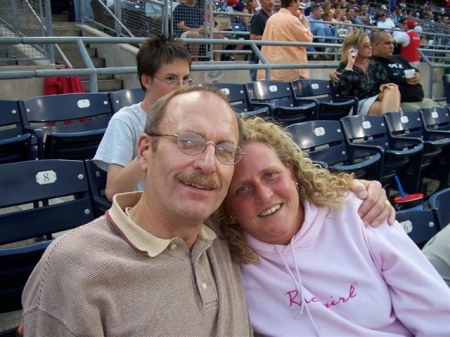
[[410, 201]]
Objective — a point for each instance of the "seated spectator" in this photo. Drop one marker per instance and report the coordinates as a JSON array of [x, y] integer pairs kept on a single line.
[[306, 259], [342, 30], [250, 8], [411, 91], [327, 7], [155, 12], [319, 28], [365, 79], [188, 22], [437, 250], [353, 17], [385, 23]]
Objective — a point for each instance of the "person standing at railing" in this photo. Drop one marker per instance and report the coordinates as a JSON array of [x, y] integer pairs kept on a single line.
[[410, 44], [289, 25], [257, 26]]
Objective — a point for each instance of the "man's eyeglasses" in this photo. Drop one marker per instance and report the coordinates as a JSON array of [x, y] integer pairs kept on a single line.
[[174, 83], [193, 144]]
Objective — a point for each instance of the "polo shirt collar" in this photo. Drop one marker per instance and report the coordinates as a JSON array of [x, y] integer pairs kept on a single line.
[[137, 237]]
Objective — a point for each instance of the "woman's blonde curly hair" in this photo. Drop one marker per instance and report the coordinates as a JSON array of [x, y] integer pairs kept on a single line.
[[316, 184]]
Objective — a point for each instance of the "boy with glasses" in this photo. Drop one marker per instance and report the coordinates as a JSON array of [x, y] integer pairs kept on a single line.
[[163, 65]]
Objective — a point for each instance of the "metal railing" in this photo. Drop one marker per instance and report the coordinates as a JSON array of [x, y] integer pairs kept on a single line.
[[210, 66]]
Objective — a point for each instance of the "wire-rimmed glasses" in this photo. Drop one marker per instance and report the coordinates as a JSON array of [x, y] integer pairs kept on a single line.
[[174, 83], [193, 144]]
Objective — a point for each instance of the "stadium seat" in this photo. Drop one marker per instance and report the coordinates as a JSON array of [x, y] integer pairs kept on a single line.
[[15, 144], [440, 202], [39, 198], [324, 141], [238, 100], [97, 185], [401, 156], [125, 97], [420, 225], [68, 126], [329, 107], [409, 124], [278, 97]]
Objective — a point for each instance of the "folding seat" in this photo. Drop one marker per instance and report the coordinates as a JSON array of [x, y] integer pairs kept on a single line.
[[420, 225], [68, 126], [436, 119], [238, 100], [329, 107], [15, 144], [324, 142], [435, 142], [278, 97], [97, 186], [401, 156], [39, 198], [125, 97], [440, 202]]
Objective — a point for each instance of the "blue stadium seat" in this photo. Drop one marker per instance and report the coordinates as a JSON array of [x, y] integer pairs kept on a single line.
[[420, 225], [68, 126], [15, 144], [238, 100], [324, 141], [329, 107], [440, 202], [278, 97], [401, 156], [39, 198], [125, 97]]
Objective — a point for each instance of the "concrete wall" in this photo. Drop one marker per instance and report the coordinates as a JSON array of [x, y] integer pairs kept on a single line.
[[22, 88]]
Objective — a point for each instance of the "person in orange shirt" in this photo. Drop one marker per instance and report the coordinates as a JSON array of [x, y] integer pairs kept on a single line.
[[288, 24]]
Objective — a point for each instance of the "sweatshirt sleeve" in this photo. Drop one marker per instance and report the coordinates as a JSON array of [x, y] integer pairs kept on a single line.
[[420, 298]]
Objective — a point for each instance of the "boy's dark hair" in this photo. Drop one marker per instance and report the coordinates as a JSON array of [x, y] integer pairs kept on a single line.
[[159, 50]]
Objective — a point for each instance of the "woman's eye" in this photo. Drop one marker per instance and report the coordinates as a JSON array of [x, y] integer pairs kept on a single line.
[[242, 190]]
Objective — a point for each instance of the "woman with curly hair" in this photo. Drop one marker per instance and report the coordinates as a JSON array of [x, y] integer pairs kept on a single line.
[[309, 265], [365, 78]]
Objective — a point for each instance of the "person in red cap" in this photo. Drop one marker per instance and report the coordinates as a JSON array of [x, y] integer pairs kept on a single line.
[[409, 42]]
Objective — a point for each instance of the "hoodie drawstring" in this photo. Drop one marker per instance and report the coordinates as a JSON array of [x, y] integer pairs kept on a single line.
[[297, 282]]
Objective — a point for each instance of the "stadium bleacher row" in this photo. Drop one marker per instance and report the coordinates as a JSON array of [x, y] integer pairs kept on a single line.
[[63, 189], [409, 144]]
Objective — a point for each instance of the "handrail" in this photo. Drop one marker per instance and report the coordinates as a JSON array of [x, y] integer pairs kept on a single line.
[[93, 72]]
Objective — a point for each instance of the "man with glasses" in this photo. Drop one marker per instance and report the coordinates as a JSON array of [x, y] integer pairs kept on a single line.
[[163, 65], [151, 267]]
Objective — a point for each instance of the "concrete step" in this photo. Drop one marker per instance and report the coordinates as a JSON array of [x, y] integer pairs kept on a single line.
[[105, 85], [63, 17], [79, 63], [74, 52]]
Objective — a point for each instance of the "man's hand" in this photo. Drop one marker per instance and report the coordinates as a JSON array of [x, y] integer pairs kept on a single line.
[[334, 76], [376, 208], [414, 80], [387, 86]]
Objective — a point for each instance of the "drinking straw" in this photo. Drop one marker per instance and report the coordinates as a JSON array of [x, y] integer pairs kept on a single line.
[[400, 188]]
